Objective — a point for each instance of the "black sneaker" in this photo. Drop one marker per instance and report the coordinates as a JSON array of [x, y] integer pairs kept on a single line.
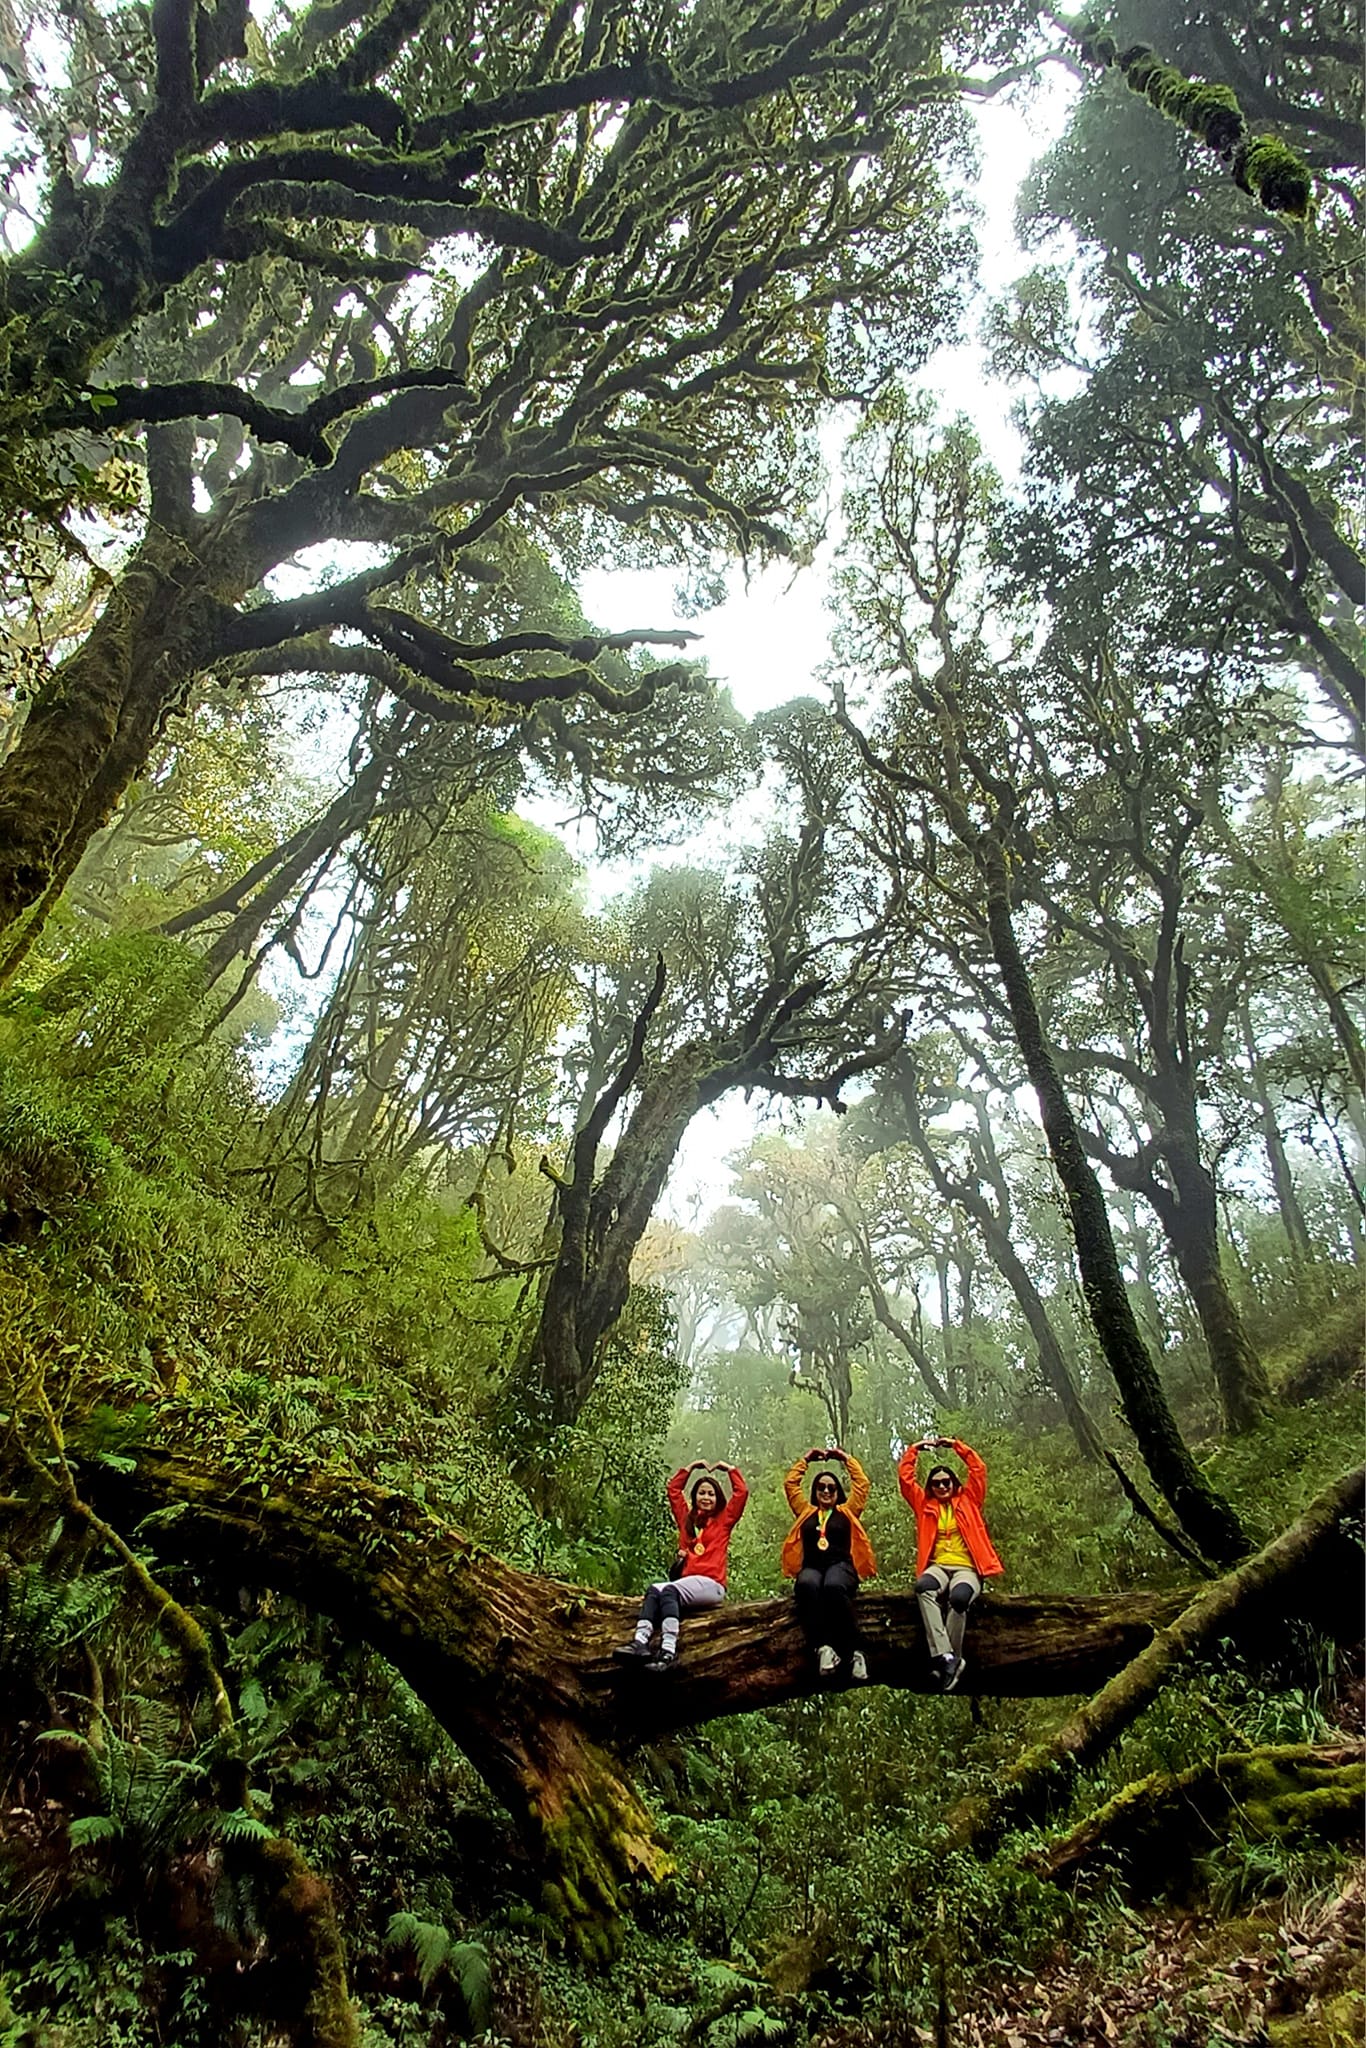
[[630, 1653], [960, 1665], [942, 1673], [664, 1659]]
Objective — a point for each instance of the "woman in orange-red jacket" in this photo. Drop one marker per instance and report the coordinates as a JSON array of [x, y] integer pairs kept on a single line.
[[704, 1518], [953, 1552], [827, 1552]]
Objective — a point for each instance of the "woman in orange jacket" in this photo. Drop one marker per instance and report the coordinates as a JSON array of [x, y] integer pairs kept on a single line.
[[827, 1552], [705, 1519], [953, 1552]]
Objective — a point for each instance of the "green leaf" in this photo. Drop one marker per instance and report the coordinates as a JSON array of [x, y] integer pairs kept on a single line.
[[92, 1828]]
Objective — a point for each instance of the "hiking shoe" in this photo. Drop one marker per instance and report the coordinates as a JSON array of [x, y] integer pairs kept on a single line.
[[941, 1671], [627, 1653], [957, 1666], [827, 1661], [664, 1659], [858, 1668]]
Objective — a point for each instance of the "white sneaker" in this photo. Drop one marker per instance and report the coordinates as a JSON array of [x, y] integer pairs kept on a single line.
[[858, 1668], [827, 1661]]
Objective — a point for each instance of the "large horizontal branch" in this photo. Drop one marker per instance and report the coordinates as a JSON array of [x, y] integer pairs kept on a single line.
[[433, 659], [519, 1669], [303, 432]]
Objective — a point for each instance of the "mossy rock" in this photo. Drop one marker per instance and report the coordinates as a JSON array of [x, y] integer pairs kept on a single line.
[[1340, 2023]]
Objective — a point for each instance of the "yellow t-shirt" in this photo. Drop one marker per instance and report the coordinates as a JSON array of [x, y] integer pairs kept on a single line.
[[950, 1551]]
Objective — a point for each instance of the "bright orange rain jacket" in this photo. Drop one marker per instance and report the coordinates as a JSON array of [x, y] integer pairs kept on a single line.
[[714, 1536], [967, 1508], [860, 1549]]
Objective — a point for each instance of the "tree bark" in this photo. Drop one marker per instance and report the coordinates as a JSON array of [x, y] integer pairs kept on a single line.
[[1305, 1566], [519, 1670]]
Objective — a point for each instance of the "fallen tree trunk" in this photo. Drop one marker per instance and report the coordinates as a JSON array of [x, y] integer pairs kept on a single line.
[[1301, 1573], [519, 1669], [1155, 1828]]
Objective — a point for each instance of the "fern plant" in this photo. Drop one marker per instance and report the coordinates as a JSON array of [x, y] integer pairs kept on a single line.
[[145, 1796], [438, 1954]]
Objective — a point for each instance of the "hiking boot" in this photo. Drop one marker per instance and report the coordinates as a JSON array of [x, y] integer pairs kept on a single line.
[[858, 1668], [959, 1666], [941, 1671], [627, 1653], [827, 1661], [664, 1659]]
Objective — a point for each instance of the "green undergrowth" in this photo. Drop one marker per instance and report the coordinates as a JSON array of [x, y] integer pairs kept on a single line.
[[150, 1295]]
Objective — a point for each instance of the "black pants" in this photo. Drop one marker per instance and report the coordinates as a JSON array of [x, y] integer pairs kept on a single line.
[[825, 1606]]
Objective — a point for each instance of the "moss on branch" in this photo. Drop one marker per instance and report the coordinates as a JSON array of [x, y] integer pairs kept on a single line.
[[1269, 170]]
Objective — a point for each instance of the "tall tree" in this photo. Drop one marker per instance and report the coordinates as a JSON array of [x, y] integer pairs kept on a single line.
[[947, 819], [590, 274]]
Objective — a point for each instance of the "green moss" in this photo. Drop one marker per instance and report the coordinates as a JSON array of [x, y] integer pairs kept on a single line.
[[1337, 2024], [1273, 173]]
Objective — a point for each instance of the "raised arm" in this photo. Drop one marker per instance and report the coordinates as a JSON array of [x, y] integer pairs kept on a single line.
[[739, 1494], [859, 1489], [975, 1485], [792, 1484], [912, 1492], [678, 1499]]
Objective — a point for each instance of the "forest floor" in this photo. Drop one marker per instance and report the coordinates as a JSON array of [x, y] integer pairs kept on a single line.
[[1284, 1974]]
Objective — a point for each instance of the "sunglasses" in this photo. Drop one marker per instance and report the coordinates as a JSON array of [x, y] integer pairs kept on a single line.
[[937, 1483]]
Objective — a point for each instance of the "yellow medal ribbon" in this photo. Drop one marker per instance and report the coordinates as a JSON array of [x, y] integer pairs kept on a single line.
[[822, 1517]]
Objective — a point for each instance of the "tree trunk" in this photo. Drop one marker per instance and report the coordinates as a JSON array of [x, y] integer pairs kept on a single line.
[[1287, 1201], [520, 1673], [1206, 1517], [91, 729], [892, 1323], [1193, 1226], [1298, 1576], [1188, 1211]]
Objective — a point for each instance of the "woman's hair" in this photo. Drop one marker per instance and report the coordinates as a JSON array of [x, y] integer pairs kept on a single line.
[[943, 1472], [840, 1494]]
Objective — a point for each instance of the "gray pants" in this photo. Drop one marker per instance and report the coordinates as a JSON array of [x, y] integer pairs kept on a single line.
[[668, 1599], [937, 1587]]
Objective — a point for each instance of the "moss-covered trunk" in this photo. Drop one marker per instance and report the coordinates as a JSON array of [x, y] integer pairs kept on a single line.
[[1155, 1827], [89, 732], [1187, 1208], [1206, 1518]]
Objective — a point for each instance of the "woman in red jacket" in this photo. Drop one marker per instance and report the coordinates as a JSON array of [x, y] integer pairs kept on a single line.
[[705, 1518], [953, 1551]]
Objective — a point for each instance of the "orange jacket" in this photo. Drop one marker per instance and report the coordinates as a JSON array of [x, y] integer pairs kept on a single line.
[[714, 1536], [860, 1549], [967, 1508]]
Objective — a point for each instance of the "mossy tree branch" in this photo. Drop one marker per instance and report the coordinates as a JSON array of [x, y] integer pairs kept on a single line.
[[1268, 170], [519, 1669], [1256, 1593]]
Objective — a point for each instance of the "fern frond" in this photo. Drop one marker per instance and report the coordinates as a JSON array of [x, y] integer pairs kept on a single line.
[[469, 1963], [93, 1828], [429, 1941]]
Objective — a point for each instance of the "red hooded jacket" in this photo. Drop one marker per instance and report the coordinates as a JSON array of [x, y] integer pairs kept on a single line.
[[967, 1508]]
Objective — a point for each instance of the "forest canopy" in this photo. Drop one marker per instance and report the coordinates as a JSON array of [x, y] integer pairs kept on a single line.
[[380, 926]]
